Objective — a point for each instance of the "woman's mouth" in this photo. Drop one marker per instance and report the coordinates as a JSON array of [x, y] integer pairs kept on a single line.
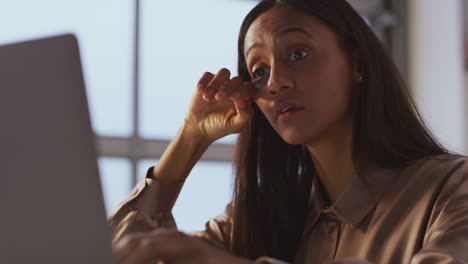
[[289, 113], [286, 110]]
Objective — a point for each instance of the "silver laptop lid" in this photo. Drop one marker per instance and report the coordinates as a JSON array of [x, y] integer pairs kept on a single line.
[[52, 209]]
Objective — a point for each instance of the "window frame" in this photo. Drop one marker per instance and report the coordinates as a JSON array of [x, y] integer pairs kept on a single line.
[[135, 148]]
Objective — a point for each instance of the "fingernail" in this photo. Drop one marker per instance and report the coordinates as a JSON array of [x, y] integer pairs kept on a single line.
[[200, 87], [209, 94], [242, 104], [221, 95]]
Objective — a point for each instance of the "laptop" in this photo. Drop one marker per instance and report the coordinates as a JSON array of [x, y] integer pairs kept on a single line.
[[52, 208]]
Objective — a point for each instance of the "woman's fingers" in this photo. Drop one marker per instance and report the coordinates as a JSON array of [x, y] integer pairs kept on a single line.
[[204, 80], [228, 88], [245, 91], [244, 110], [221, 77], [236, 89], [219, 86], [243, 99]]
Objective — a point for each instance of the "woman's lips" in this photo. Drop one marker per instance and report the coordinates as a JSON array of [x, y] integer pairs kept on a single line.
[[290, 113], [285, 110]]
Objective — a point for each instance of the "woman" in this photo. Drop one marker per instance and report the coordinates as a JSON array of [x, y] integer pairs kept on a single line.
[[332, 162]]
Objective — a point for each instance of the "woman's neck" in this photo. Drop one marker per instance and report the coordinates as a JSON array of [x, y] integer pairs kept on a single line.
[[333, 160]]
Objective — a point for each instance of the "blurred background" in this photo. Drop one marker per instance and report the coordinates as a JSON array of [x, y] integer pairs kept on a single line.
[[143, 58]]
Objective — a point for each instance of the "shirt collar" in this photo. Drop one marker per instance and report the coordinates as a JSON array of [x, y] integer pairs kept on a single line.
[[358, 198]]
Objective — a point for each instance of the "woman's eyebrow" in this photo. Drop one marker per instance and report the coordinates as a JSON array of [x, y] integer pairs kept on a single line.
[[254, 46], [296, 29], [279, 34]]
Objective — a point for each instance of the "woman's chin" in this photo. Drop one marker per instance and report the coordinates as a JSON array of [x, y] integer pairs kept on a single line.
[[293, 139], [298, 137]]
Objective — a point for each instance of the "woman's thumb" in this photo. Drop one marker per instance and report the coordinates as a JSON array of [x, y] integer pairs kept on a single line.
[[245, 110]]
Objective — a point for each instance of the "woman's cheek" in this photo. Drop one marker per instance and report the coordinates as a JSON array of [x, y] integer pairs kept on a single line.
[[262, 104], [260, 85]]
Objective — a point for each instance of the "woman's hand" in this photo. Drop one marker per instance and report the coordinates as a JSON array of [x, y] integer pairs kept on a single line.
[[220, 106], [169, 246]]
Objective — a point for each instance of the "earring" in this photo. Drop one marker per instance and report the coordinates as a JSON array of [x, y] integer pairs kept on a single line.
[[360, 78]]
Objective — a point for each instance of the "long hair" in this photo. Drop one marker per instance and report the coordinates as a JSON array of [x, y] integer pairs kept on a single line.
[[273, 179]]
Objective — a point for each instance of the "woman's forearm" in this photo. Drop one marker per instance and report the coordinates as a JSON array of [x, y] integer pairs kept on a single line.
[[184, 151]]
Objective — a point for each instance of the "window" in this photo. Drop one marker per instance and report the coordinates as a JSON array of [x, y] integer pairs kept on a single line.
[[142, 60], [115, 180], [205, 193], [177, 47], [106, 49]]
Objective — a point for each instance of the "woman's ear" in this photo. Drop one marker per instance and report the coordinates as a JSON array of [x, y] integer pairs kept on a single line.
[[357, 69]]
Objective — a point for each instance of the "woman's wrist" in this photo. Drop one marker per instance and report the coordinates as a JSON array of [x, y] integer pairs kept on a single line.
[[189, 132]]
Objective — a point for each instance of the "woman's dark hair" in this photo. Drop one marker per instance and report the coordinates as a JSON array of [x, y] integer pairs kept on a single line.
[[273, 179]]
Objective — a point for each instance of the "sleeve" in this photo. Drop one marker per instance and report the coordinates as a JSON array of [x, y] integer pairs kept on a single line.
[[446, 239], [149, 206], [218, 231]]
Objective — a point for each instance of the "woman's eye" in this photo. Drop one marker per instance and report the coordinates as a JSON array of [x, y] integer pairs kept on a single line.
[[298, 54], [258, 74]]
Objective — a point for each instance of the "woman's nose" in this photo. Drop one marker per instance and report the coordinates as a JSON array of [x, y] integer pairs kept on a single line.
[[279, 81]]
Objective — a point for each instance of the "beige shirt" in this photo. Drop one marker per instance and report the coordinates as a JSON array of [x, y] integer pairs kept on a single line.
[[416, 215]]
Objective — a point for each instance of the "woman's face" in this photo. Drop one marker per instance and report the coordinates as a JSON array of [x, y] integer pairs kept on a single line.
[[304, 77]]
